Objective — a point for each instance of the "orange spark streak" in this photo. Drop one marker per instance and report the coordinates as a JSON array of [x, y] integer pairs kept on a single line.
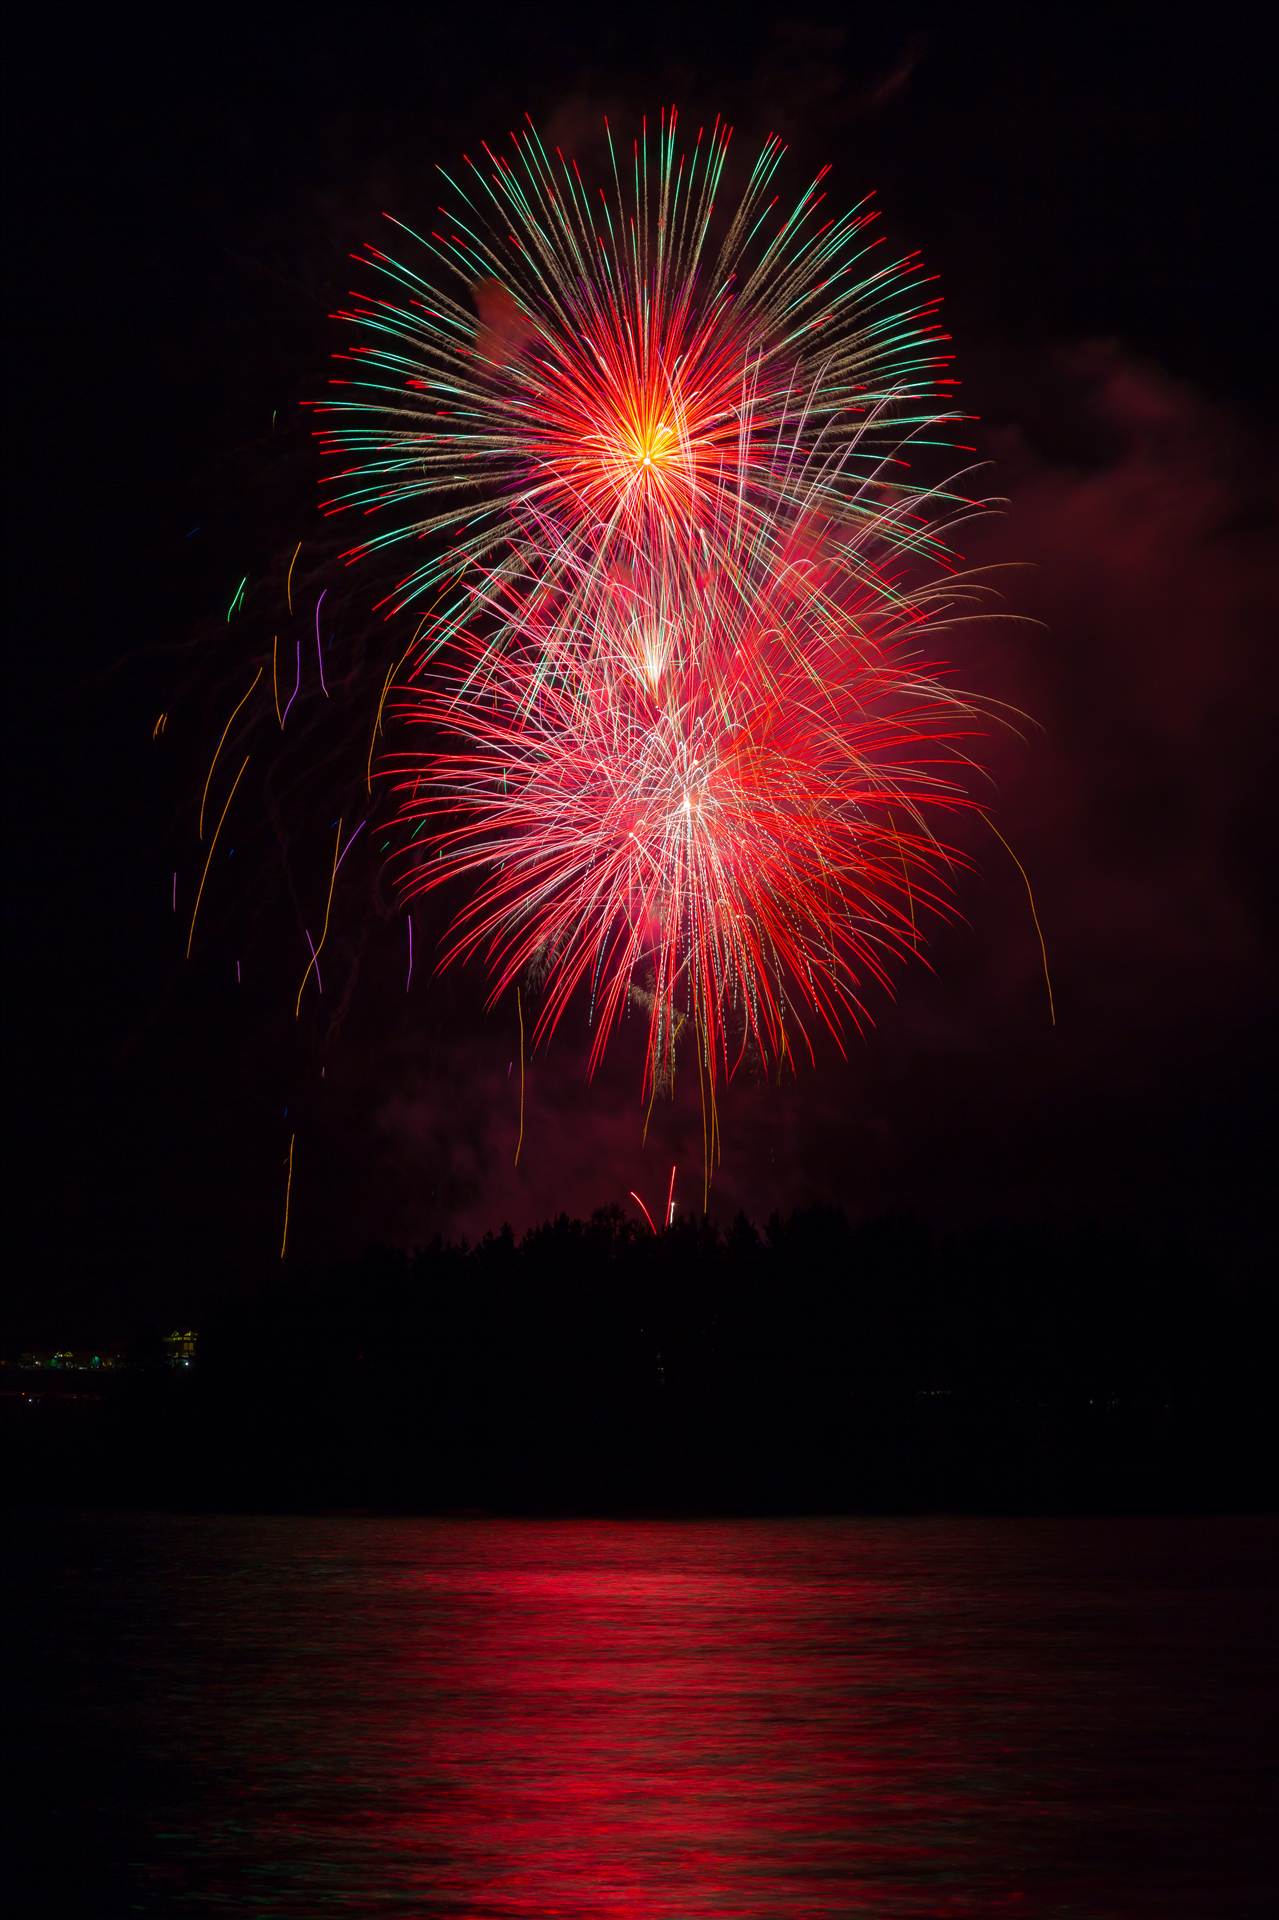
[[212, 847], [217, 750], [1052, 1011], [319, 946]]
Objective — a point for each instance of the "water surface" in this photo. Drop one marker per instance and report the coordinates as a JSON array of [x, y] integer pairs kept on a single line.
[[648, 1721]]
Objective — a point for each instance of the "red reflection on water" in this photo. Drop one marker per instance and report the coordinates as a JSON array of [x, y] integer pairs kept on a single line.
[[694, 1730], [517, 1721]]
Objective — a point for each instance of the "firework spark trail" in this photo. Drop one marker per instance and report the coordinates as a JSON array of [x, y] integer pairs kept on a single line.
[[1034, 914], [350, 843], [217, 750], [212, 849], [644, 1210], [313, 965], [296, 685], [377, 720], [288, 1195], [315, 959], [319, 652]]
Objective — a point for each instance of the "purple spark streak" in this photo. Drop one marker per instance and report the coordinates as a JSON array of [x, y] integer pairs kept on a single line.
[[350, 843], [315, 958], [409, 982]]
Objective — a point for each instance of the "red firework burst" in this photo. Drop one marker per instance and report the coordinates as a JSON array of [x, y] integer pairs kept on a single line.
[[684, 739], [711, 791]]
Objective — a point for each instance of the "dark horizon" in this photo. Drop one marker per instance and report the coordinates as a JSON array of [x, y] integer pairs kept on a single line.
[[596, 1367]]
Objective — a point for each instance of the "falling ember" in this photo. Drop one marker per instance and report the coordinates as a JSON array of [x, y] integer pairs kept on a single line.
[[315, 960], [199, 895], [288, 1195], [1034, 915], [313, 965], [297, 682], [643, 1209], [218, 749], [319, 650]]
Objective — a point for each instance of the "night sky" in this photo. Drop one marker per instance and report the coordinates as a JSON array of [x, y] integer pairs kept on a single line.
[[184, 206]]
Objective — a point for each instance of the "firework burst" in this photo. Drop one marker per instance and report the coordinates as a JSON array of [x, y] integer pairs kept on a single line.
[[674, 727], [705, 790], [674, 716], [626, 367]]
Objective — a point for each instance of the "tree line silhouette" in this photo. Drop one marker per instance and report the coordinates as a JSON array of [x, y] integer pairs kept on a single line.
[[596, 1366]]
